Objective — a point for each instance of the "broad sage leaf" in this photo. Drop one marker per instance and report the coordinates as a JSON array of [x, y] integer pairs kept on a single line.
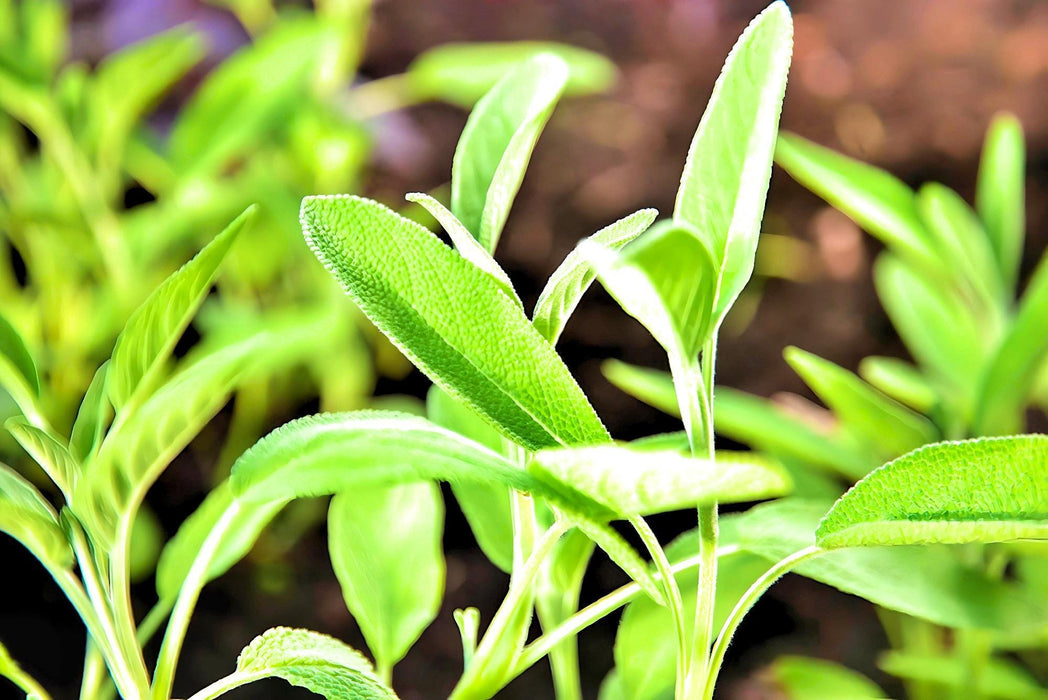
[[48, 451], [463, 73], [30, 519], [666, 279], [632, 481], [573, 277], [310, 660], [387, 551], [1000, 196], [452, 320], [725, 180], [983, 490], [886, 425], [155, 327], [497, 141], [947, 592]]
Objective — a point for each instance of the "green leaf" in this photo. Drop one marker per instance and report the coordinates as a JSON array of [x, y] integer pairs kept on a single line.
[[181, 551], [497, 141], [666, 280], [30, 519], [983, 490], [10, 670], [899, 380], [48, 451], [886, 425], [331, 453], [946, 592], [310, 660], [725, 179], [875, 199], [1000, 196], [452, 320], [155, 327], [747, 419], [248, 95], [14, 350], [487, 507], [467, 246], [386, 549], [1011, 375], [800, 677], [92, 418], [1000, 678], [462, 73], [631, 481], [573, 277]]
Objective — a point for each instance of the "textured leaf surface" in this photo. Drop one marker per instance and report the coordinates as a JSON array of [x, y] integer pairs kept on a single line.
[[462, 73], [1000, 195], [875, 199], [29, 518], [666, 279], [632, 481], [800, 677], [452, 320], [999, 679], [155, 327], [313, 661], [573, 277], [497, 141], [984, 490], [725, 179], [886, 425], [387, 551], [946, 592], [48, 451]]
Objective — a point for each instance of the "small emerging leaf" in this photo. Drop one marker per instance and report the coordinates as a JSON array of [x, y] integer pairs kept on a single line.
[[30, 519], [14, 350], [984, 490], [92, 418], [1000, 194]]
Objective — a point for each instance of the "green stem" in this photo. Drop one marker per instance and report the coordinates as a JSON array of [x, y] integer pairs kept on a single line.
[[746, 602], [94, 672], [673, 597], [226, 684], [596, 611], [177, 625], [120, 594]]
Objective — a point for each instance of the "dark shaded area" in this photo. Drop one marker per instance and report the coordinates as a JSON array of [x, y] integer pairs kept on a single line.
[[907, 85]]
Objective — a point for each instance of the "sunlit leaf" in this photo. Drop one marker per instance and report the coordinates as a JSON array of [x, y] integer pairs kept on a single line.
[[800, 677], [30, 519], [1000, 196], [48, 451]]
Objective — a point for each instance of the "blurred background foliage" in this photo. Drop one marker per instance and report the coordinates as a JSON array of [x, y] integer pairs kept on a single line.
[[132, 131]]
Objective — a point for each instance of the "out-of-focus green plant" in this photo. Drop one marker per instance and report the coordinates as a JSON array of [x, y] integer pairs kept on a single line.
[[948, 280]]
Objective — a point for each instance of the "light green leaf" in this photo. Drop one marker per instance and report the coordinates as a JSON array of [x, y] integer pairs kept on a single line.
[[1000, 678], [487, 507], [984, 490], [247, 95], [452, 320], [92, 418], [467, 246], [800, 677], [939, 331], [181, 550], [887, 426], [747, 419], [1011, 375], [29, 518], [48, 451], [386, 549], [665, 279], [875, 199], [631, 481], [725, 180], [310, 660], [947, 592], [497, 141], [557, 591], [899, 380], [462, 73], [155, 327], [573, 277], [14, 351], [1000, 196]]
